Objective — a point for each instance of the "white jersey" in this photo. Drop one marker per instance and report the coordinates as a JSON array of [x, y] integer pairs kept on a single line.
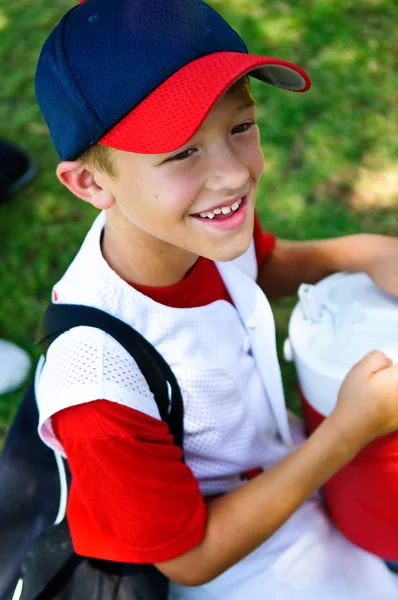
[[235, 419]]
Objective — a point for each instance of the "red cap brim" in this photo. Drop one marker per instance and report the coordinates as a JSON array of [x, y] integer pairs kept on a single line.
[[170, 115]]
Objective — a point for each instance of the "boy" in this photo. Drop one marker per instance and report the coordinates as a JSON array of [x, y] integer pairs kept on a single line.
[[149, 107]]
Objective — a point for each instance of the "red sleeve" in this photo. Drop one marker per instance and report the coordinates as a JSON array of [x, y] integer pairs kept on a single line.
[[264, 243], [132, 499]]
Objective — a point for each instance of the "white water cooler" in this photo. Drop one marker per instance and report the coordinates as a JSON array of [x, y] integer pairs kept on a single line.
[[335, 324]]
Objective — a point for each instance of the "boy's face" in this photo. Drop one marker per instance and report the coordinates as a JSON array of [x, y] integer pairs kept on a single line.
[[199, 199]]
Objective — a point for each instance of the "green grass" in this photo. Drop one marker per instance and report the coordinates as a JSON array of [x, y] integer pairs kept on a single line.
[[330, 154]]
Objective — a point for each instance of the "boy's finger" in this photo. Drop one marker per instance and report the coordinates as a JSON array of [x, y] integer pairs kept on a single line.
[[374, 361], [392, 374]]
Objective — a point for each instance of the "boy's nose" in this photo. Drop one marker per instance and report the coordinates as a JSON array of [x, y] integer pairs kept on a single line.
[[228, 172]]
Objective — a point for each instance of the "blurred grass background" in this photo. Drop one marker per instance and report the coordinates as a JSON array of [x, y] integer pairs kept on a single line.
[[330, 154]]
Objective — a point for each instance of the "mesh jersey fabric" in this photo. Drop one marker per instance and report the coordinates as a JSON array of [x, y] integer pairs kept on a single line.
[[109, 446], [86, 364], [303, 550], [229, 426]]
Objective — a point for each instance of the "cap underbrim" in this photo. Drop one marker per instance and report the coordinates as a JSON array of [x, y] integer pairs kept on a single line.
[[170, 115]]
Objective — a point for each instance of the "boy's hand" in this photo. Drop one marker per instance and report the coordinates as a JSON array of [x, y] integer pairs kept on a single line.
[[375, 255], [383, 268], [367, 406], [292, 263]]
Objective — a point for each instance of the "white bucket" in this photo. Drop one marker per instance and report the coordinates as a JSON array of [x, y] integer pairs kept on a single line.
[[335, 324]]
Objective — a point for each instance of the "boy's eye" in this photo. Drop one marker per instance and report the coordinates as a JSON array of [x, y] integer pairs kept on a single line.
[[183, 155], [243, 127]]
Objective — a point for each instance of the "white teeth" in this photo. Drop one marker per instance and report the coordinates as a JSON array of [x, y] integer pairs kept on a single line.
[[225, 210]]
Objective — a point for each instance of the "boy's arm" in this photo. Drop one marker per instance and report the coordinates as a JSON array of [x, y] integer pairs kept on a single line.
[[240, 521], [293, 263]]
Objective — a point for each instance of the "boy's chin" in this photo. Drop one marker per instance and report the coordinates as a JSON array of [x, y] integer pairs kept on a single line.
[[230, 252]]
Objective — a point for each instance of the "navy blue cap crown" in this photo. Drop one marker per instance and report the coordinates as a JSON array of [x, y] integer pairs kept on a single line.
[[106, 56]]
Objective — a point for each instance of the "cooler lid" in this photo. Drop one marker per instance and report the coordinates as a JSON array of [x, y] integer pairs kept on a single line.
[[342, 318]]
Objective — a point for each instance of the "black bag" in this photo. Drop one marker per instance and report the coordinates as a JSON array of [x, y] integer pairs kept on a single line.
[[37, 561]]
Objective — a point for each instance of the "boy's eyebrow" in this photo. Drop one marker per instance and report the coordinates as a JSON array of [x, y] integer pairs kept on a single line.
[[247, 104]]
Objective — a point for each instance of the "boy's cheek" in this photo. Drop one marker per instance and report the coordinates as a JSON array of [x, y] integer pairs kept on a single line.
[[252, 155], [257, 160], [178, 201]]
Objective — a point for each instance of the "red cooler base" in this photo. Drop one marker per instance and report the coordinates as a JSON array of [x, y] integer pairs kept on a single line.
[[363, 497]]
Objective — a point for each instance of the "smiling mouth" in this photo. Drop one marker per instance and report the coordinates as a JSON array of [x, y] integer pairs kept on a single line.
[[223, 212]]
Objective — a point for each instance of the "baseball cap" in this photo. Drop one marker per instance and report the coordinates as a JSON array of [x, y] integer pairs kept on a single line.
[[142, 75]]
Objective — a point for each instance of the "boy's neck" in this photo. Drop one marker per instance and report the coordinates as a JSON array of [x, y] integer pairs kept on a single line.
[[138, 257]]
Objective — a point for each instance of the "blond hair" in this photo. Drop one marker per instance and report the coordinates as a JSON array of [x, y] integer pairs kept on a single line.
[[100, 158], [241, 88]]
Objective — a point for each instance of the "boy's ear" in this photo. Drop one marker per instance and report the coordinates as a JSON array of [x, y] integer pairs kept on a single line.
[[81, 182]]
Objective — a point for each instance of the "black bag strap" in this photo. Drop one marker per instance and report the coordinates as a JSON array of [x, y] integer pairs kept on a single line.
[[29, 495], [60, 318], [46, 551]]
